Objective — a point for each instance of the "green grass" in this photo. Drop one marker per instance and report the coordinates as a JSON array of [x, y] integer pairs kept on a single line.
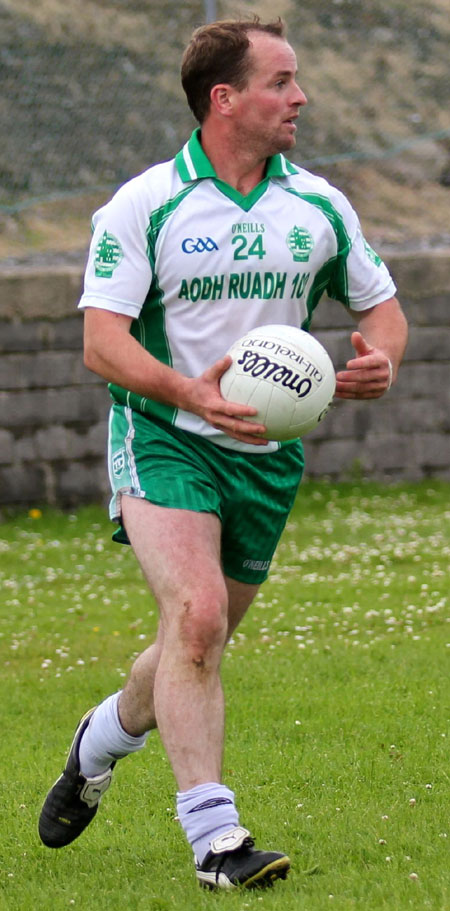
[[338, 710]]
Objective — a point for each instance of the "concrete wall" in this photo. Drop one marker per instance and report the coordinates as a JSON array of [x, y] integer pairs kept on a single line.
[[53, 412]]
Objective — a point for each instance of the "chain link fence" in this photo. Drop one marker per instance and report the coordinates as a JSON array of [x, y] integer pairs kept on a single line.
[[91, 92]]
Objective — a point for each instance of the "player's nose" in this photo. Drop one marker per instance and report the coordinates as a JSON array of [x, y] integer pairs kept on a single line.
[[300, 97]]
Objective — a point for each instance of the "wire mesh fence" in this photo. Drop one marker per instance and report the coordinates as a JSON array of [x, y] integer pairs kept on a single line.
[[91, 92]]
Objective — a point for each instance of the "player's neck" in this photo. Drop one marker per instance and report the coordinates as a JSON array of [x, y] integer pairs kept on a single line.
[[232, 163]]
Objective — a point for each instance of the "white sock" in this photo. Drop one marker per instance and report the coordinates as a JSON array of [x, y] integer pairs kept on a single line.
[[105, 740], [205, 812]]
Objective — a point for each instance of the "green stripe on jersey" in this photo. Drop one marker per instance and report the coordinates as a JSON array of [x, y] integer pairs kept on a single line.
[[332, 277], [244, 202], [159, 217], [151, 324]]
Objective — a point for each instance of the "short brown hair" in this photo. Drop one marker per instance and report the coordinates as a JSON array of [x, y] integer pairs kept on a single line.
[[217, 53]]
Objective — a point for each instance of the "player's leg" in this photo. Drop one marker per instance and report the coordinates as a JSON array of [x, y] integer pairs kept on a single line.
[[179, 553], [101, 738], [136, 700], [177, 679], [136, 703], [240, 596], [184, 573]]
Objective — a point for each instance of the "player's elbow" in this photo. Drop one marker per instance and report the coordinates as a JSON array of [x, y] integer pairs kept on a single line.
[[91, 356]]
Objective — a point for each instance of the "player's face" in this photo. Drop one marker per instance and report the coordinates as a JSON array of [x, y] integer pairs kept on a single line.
[[266, 109]]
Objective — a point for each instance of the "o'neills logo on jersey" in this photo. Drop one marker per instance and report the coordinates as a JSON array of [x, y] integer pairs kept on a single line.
[[301, 243], [260, 366]]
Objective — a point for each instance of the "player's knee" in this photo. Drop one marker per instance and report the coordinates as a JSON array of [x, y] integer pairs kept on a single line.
[[203, 626]]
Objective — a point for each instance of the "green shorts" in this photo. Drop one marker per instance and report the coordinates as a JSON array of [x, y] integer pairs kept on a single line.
[[251, 494]]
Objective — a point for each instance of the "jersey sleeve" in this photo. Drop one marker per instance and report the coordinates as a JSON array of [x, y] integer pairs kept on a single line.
[[118, 273], [361, 280], [368, 280]]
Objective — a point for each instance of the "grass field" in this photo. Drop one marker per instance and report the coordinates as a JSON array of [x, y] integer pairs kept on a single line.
[[338, 711]]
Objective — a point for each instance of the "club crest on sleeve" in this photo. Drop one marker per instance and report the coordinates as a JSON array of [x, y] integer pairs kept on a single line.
[[108, 255]]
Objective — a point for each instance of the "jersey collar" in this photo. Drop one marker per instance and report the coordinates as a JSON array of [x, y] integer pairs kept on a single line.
[[192, 163]]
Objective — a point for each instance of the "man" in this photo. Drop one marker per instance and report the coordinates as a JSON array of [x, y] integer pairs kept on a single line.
[[175, 275]]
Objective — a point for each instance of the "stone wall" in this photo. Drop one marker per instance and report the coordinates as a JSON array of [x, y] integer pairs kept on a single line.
[[53, 412], [405, 434]]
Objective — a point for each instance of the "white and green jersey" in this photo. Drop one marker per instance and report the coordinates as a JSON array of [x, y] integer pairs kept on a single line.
[[196, 264]]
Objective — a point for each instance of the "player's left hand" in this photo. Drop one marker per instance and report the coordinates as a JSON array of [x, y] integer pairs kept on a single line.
[[368, 375]]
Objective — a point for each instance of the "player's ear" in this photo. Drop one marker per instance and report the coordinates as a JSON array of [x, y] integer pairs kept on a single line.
[[222, 98]]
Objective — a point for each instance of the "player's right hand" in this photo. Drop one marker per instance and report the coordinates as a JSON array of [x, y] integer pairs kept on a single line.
[[205, 399]]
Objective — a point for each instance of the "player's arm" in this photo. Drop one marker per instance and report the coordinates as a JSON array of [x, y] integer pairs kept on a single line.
[[379, 344], [114, 354]]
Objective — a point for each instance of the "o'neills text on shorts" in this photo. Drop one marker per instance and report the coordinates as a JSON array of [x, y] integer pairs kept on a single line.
[[257, 565]]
